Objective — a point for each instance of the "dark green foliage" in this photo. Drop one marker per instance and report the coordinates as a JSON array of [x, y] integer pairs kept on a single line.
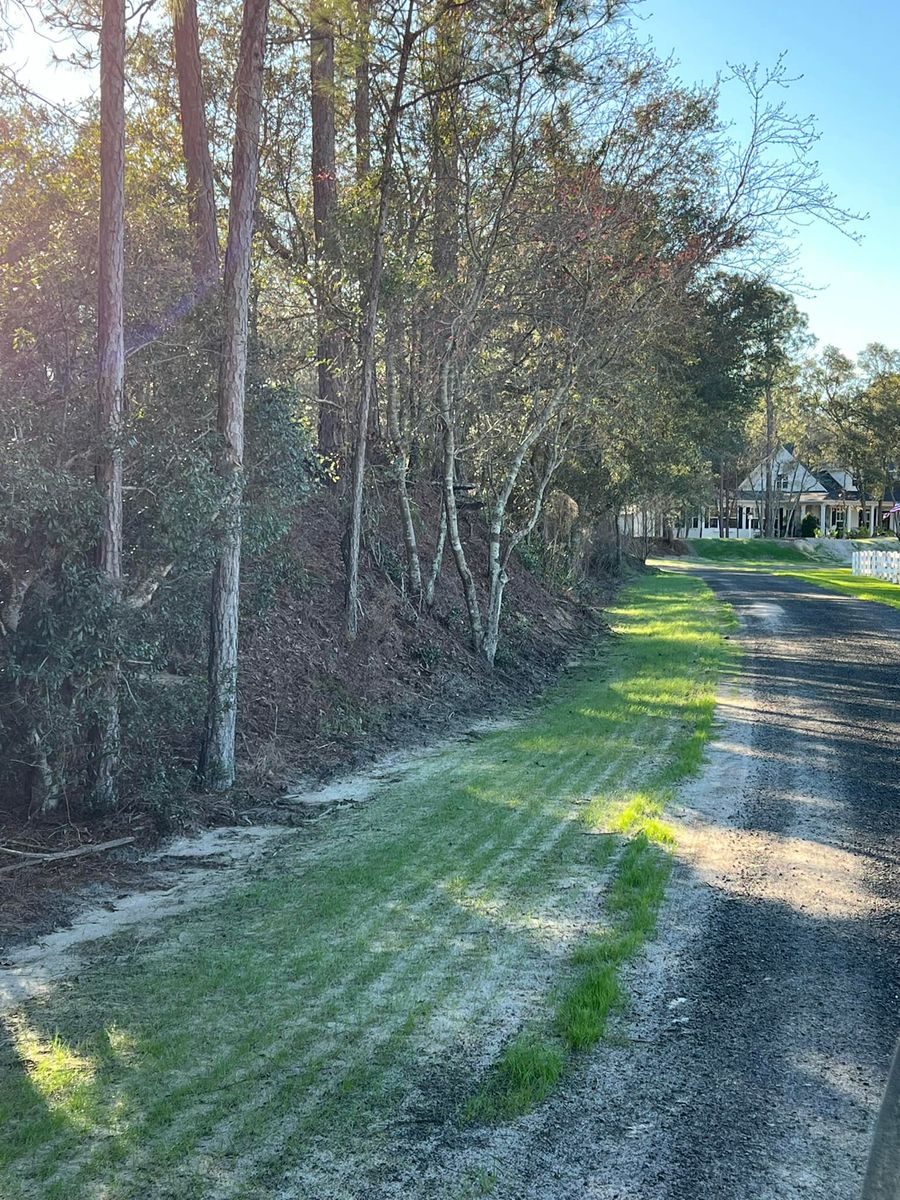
[[809, 525], [68, 629]]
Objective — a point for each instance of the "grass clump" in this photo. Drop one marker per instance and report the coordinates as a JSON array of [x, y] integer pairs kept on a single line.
[[635, 894], [530, 1066], [526, 1072], [584, 1008]]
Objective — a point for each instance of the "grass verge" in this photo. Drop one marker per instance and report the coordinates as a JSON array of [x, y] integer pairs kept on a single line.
[[276, 1041], [639, 843], [841, 579], [756, 552]]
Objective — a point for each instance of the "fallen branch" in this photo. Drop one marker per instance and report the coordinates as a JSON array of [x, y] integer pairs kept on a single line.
[[76, 852]]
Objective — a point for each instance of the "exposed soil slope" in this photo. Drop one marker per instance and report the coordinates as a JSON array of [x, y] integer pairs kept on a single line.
[[309, 698]]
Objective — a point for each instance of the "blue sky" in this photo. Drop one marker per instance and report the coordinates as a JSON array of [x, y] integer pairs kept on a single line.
[[848, 58]]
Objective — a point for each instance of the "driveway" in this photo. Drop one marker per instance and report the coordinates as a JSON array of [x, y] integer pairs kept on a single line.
[[754, 1057]]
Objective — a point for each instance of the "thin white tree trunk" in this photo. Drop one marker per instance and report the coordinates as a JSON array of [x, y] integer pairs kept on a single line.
[[497, 563], [476, 628], [438, 559], [43, 786], [401, 464], [370, 326], [217, 755]]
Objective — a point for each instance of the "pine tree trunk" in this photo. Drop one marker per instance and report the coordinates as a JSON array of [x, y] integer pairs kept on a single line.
[[110, 375], [445, 149], [362, 118], [324, 183], [217, 756], [195, 143]]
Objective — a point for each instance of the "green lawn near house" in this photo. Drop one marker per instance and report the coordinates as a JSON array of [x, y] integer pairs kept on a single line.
[[840, 579], [758, 553], [747, 551], [442, 952]]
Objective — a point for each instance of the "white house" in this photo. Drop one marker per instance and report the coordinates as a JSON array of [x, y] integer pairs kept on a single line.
[[830, 495]]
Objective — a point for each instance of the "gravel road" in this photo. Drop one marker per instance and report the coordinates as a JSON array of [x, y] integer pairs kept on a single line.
[[755, 1053]]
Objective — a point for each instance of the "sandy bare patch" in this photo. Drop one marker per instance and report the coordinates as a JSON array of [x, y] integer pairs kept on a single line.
[[188, 872], [182, 875]]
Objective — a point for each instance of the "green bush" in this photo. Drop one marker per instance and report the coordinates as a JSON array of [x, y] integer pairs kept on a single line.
[[56, 652], [809, 526]]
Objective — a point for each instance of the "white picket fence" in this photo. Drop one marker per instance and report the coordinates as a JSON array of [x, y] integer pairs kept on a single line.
[[879, 564]]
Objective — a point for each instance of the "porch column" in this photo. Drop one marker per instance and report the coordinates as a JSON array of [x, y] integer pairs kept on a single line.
[[871, 519], [822, 529]]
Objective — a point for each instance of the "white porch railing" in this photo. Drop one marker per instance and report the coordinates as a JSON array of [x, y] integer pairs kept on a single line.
[[878, 564]]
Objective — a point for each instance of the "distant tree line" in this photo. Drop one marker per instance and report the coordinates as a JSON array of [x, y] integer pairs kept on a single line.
[[764, 386]]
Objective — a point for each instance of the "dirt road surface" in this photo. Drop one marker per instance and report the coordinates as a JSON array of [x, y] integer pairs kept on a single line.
[[754, 1054]]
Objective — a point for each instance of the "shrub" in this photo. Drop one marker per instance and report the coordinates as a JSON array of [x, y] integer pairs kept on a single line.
[[57, 642], [809, 526]]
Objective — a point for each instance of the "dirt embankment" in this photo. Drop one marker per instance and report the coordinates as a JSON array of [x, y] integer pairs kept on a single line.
[[311, 700], [312, 704]]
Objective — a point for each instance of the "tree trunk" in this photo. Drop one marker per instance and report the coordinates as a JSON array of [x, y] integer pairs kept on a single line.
[[770, 453], [361, 99], [110, 375], [448, 479], [445, 148], [324, 184], [400, 442], [497, 563], [195, 141], [499, 579], [438, 559], [369, 330], [43, 787], [11, 607], [217, 756]]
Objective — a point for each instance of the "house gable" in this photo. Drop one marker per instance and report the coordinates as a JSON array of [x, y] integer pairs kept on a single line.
[[797, 478]]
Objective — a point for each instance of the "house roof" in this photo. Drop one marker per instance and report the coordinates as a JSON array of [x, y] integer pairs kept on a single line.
[[833, 490], [826, 487]]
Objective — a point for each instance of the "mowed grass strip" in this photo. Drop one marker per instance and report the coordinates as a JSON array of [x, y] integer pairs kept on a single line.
[[758, 552], [638, 842], [213, 1056], [841, 579]]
